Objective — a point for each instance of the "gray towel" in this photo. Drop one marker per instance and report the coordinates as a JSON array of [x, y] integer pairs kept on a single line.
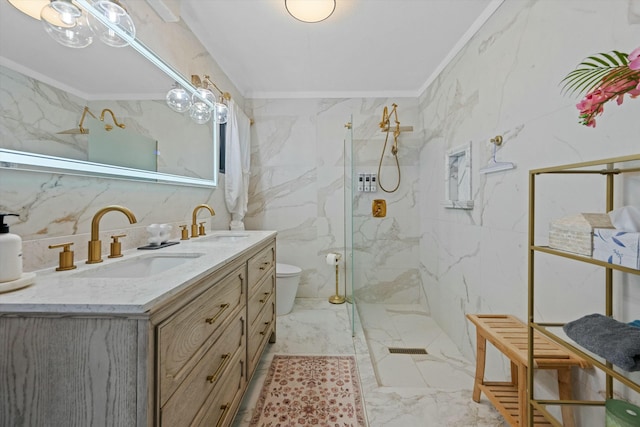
[[617, 342]]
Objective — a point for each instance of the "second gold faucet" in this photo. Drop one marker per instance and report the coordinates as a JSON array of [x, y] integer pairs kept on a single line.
[[194, 222]]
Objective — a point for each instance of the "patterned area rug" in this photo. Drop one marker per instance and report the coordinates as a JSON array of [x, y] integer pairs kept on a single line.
[[310, 391]]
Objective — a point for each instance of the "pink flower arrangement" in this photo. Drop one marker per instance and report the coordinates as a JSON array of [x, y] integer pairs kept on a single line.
[[604, 78]]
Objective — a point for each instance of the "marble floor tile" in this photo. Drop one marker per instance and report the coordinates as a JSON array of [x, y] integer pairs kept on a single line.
[[428, 390]]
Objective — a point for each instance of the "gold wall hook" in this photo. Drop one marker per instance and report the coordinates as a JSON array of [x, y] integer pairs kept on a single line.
[[497, 140]]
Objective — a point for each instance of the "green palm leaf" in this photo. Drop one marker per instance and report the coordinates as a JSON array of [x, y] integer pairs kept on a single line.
[[594, 70]]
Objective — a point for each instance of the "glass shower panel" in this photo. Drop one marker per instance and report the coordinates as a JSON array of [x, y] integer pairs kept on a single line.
[[348, 220]]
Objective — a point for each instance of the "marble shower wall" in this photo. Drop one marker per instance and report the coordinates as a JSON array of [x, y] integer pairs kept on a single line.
[[506, 82], [297, 187]]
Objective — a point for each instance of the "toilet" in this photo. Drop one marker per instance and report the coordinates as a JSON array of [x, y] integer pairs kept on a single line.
[[287, 281]]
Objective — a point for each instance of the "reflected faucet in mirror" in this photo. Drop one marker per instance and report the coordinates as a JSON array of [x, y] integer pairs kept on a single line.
[[36, 85], [95, 245], [82, 130], [194, 224]]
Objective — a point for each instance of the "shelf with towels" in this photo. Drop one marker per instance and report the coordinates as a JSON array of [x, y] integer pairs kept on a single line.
[[609, 169]]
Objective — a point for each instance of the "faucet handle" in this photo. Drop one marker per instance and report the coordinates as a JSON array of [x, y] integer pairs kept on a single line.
[[201, 230], [116, 246], [185, 232], [66, 257]]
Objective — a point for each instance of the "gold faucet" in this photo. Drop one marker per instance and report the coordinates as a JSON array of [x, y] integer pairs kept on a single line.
[[194, 225], [95, 245]]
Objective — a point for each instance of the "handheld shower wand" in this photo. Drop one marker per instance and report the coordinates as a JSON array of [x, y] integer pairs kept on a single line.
[[385, 125]]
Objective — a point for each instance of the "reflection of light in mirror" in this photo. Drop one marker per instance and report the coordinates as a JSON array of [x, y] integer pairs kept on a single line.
[[178, 99], [66, 24], [200, 112], [117, 16]]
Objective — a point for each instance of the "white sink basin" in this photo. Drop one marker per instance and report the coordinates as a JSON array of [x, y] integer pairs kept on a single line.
[[143, 266], [232, 236]]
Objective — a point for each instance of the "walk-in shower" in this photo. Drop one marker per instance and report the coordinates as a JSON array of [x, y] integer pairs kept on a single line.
[[382, 266]]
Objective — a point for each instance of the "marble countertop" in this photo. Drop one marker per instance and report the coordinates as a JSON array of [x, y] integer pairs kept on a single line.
[[69, 292]]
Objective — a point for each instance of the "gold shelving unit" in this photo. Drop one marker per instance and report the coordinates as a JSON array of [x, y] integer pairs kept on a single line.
[[609, 169]]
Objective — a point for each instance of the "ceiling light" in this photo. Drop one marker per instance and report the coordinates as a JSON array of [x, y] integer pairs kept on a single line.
[[116, 14], [30, 7], [310, 10], [66, 23]]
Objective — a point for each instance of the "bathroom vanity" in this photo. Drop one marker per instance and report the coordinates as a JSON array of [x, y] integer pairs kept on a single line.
[[173, 346]]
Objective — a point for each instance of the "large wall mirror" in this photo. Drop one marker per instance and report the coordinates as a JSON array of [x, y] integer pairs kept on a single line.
[[47, 90]]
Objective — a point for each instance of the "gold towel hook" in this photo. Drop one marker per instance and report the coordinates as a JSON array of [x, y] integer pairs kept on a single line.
[[108, 127], [497, 140]]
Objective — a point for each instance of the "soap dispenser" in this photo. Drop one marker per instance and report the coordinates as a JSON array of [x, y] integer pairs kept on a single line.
[[10, 253]]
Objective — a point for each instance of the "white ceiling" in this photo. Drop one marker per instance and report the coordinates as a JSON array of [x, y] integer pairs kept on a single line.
[[366, 48]]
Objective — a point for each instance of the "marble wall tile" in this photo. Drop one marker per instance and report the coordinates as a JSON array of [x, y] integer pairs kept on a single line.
[[298, 187], [505, 81]]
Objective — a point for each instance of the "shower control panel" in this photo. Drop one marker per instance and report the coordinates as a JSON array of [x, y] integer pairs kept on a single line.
[[367, 182]]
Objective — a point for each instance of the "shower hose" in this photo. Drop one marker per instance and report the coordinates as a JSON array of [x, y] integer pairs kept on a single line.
[[385, 124]]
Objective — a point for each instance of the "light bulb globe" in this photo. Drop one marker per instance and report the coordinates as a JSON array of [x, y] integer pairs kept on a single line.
[[118, 16], [200, 112], [205, 97], [66, 24], [222, 113], [178, 99]]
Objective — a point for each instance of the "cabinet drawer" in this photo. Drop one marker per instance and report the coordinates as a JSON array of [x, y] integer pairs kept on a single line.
[[260, 333], [221, 407], [260, 264], [186, 335], [260, 298], [207, 377]]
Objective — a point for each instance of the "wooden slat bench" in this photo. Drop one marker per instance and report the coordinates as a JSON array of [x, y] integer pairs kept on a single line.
[[509, 335]]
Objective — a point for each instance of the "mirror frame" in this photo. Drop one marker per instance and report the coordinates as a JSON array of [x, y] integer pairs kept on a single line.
[[20, 160]]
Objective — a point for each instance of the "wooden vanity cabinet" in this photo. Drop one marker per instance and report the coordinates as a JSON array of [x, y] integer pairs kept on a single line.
[[198, 345], [187, 362], [261, 305]]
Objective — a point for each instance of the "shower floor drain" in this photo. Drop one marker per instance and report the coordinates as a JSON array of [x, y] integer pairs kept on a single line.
[[401, 350]]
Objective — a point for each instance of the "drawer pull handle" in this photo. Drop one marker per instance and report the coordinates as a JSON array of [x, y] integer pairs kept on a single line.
[[265, 298], [265, 265], [211, 320], [226, 358], [267, 326], [225, 408]]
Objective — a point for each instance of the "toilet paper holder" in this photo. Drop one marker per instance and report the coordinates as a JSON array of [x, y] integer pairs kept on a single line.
[[334, 259]]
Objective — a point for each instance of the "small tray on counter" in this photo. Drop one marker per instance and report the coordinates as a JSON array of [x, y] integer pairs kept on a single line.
[[160, 246]]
